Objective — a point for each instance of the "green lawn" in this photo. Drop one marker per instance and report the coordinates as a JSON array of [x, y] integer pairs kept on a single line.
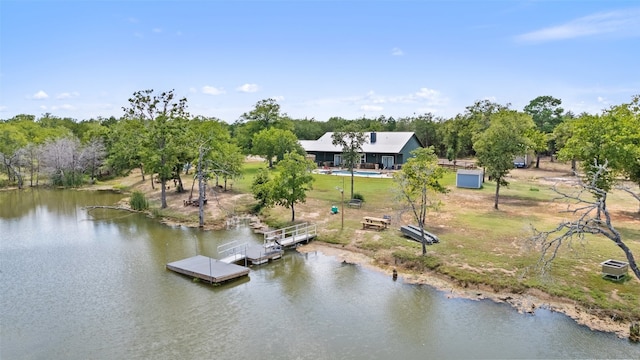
[[478, 244]]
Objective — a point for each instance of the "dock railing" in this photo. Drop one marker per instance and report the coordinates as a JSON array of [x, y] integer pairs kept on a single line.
[[235, 250], [291, 235]]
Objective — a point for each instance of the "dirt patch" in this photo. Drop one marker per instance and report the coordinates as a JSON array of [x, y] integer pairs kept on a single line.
[[221, 205]]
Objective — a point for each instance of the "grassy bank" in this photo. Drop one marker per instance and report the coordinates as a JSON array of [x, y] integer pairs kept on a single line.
[[479, 245], [480, 248]]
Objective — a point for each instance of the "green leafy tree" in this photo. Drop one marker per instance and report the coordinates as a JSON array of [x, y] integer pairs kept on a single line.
[[275, 142], [562, 133], [478, 118], [426, 129], [593, 141], [262, 189], [451, 132], [417, 180], [265, 115], [11, 141], [124, 146], [351, 142], [547, 115], [163, 117], [227, 160], [292, 181], [505, 138], [308, 129], [628, 137], [612, 137]]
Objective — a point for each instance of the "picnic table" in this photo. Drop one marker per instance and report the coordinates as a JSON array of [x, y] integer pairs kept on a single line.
[[194, 202], [375, 223]]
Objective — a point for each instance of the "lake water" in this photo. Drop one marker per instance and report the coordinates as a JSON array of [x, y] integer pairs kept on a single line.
[[80, 284]]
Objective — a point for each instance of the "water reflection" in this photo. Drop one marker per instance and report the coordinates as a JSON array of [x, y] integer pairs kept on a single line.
[[80, 284]]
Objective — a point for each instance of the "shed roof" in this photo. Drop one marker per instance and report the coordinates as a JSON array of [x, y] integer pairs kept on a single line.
[[469, 171], [386, 142]]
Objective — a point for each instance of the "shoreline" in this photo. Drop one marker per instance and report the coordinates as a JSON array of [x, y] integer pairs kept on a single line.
[[526, 302]]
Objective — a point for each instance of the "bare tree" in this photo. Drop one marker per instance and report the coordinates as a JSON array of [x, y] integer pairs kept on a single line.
[[92, 156], [591, 217], [61, 161], [628, 190]]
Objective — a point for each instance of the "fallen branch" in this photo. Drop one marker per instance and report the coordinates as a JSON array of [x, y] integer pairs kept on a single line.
[[111, 208]]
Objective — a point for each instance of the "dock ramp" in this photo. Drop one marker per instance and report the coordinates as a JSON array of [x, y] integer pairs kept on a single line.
[[291, 235]]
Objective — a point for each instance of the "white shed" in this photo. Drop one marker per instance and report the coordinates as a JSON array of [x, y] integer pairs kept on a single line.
[[470, 179]]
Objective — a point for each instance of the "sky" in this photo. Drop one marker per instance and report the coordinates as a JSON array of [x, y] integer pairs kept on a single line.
[[317, 59]]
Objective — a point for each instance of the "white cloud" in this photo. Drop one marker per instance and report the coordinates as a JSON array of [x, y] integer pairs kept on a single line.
[[63, 107], [157, 30], [371, 101], [3, 108], [278, 98], [210, 90], [615, 23], [67, 95], [423, 95], [397, 52], [603, 101], [248, 88], [371, 108], [40, 95], [426, 93]]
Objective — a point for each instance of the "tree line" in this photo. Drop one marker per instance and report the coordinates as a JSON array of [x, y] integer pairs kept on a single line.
[[157, 135]]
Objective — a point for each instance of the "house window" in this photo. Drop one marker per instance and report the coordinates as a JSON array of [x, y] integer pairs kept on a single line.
[[363, 158]]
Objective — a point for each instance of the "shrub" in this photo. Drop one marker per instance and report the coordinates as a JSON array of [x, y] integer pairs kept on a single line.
[[358, 196], [138, 201]]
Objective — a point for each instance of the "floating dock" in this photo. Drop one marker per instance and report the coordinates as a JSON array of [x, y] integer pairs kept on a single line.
[[216, 271], [208, 269]]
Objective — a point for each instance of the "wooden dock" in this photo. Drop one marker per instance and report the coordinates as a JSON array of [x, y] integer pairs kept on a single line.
[[216, 271], [256, 254], [208, 269], [291, 236]]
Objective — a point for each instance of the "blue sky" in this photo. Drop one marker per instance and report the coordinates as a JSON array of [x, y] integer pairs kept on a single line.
[[318, 59]]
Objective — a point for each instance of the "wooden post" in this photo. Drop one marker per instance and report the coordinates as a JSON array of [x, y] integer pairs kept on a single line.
[[342, 210]]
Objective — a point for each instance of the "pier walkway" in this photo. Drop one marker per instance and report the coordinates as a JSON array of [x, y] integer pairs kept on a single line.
[[292, 235]]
